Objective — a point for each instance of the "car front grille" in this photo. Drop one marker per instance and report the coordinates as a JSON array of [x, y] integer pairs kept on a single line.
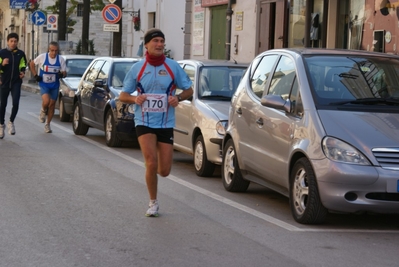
[[384, 196], [388, 158]]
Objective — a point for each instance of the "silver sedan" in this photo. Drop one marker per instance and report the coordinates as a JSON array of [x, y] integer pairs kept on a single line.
[[201, 120]]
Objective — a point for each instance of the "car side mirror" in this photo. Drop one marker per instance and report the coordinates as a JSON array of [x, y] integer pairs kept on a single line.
[[276, 102], [101, 83]]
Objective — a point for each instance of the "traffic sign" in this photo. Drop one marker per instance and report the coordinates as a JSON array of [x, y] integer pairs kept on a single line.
[[38, 17], [111, 27], [112, 13], [52, 22]]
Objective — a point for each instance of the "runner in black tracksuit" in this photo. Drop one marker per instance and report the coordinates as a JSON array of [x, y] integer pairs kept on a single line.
[[12, 69]]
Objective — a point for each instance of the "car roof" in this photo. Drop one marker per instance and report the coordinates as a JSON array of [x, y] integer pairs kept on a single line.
[[119, 59], [326, 51], [79, 56], [213, 63]]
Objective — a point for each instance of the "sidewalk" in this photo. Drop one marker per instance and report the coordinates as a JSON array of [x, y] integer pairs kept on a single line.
[[30, 85]]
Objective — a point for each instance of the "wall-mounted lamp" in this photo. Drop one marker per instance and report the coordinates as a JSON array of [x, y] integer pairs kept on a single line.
[[11, 27], [132, 13]]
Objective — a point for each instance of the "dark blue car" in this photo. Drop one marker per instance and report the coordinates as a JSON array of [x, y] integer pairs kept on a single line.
[[96, 101]]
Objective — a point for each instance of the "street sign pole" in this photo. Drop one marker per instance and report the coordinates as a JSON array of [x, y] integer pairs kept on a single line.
[[32, 79], [112, 13], [33, 41]]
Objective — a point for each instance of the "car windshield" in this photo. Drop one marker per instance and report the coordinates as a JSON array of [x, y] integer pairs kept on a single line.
[[219, 82], [77, 66], [119, 73], [354, 80]]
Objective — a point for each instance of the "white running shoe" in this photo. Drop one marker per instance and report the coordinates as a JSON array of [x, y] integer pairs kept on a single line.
[[153, 210], [47, 128], [2, 126], [11, 128], [42, 116]]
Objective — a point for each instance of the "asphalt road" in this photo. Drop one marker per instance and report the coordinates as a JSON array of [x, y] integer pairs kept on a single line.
[[69, 200]]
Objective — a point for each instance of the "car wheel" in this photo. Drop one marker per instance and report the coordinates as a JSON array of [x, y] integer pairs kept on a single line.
[[111, 138], [79, 128], [202, 166], [305, 203], [63, 116], [231, 173]]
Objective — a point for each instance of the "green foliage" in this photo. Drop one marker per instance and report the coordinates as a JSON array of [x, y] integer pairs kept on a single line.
[[91, 47], [97, 5], [79, 49], [55, 10], [70, 24], [167, 53], [72, 6]]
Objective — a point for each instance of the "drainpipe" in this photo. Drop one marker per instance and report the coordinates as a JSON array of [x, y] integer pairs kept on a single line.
[[229, 12], [308, 20]]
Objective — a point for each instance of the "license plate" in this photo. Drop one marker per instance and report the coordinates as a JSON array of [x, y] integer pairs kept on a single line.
[[397, 187]]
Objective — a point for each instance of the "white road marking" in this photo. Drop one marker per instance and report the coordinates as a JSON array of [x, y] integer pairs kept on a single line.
[[219, 198]]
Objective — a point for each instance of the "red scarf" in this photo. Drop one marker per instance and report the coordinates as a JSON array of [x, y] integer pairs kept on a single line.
[[155, 60]]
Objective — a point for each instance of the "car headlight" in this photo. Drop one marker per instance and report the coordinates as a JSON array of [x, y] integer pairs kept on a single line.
[[340, 151], [221, 127], [130, 108]]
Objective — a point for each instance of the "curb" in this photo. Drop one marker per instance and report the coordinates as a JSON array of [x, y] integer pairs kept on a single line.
[[30, 88]]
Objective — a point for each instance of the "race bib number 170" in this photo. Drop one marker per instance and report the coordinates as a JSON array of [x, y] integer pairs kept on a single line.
[[155, 103]]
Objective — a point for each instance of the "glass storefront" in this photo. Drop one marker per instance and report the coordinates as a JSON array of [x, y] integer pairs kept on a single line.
[[370, 25], [296, 26]]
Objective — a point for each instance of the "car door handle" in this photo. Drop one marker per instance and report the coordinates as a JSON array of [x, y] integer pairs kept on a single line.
[[239, 111], [259, 122]]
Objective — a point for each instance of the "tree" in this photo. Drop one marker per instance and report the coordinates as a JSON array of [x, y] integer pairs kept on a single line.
[[85, 26], [62, 24], [88, 6]]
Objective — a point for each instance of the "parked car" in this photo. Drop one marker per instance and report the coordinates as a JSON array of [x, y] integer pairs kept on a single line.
[[76, 66], [202, 119], [96, 102], [319, 126]]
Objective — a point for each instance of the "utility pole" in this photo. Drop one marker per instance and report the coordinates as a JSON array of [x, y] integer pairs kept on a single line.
[[85, 27], [62, 20], [117, 36]]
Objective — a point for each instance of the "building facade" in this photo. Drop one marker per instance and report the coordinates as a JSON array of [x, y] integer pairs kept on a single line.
[[223, 29], [260, 25], [35, 39], [167, 15]]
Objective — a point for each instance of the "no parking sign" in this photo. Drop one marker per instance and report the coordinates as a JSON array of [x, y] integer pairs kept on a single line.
[[52, 22], [112, 13]]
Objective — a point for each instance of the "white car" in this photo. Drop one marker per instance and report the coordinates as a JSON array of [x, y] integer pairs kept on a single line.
[[76, 66], [202, 119]]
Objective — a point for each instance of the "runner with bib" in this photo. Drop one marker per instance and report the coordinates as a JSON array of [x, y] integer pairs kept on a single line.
[[155, 79], [52, 67]]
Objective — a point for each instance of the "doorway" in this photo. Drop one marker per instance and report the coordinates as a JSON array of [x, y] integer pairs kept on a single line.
[[379, 41], [272, 22], [218, 32]]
